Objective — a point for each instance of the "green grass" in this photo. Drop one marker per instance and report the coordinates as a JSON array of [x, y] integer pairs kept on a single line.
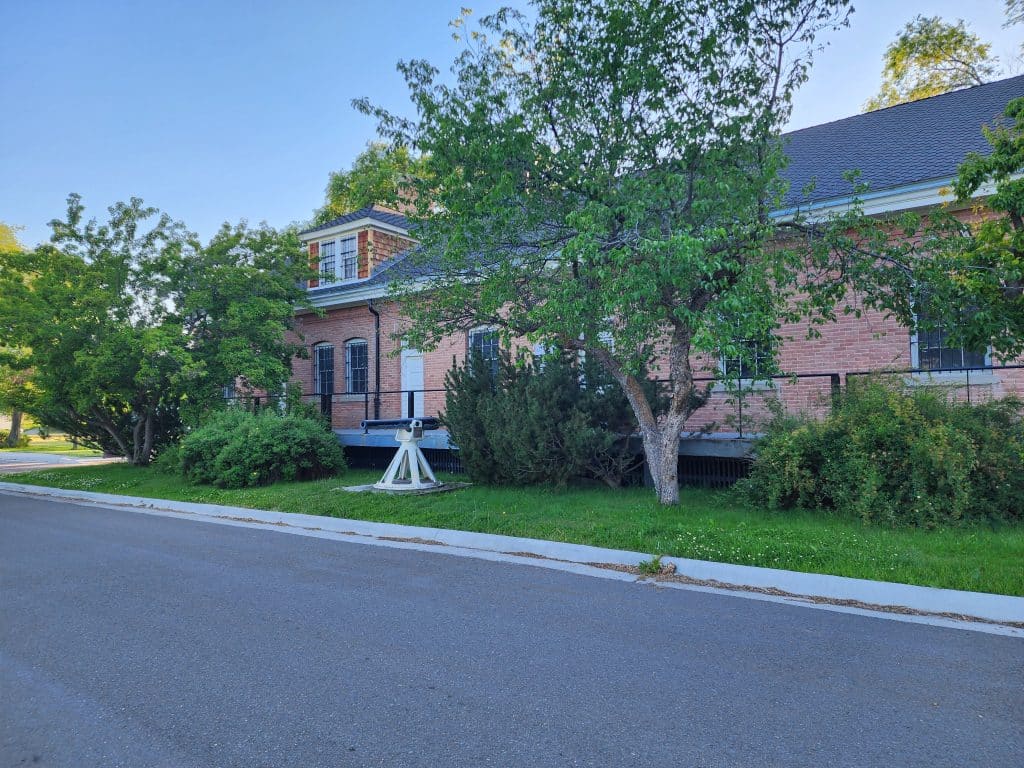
[[707, 525], [54, 444]]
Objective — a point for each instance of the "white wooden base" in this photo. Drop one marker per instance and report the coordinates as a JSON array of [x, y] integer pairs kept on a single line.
[[408, 470]]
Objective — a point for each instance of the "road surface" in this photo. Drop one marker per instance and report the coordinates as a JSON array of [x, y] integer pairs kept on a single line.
[[25, 461], [135, 640]]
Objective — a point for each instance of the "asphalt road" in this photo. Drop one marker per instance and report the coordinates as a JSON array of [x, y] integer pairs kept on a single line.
[[133, 640], [25, 461]]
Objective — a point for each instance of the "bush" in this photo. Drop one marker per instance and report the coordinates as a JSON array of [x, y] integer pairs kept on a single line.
[[6, 433], [534, 423], [897, 457], [236, 449], [168, 460]]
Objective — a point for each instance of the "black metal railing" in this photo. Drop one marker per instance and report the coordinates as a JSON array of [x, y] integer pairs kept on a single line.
[[977, 370], [742, 403]]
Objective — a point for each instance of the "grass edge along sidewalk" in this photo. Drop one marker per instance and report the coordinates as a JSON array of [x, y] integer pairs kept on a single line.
[[708, 525]]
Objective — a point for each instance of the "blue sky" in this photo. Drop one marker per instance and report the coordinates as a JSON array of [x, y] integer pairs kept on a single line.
[[219, 111]]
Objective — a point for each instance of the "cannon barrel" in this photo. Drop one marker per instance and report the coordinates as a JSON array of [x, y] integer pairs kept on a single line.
[[428, 422]]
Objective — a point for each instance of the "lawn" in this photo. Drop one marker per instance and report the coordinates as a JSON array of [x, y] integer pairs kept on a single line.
[[54, 444], [707, 525]]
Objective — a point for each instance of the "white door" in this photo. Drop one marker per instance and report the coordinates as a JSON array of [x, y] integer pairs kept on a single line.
[[412, 379]]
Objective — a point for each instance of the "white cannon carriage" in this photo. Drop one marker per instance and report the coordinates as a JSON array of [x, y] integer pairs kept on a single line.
[[409, 470]]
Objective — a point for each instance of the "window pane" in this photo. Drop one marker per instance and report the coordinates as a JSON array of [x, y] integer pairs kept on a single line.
[[974, 358], [349, 265], [935, 353], [356, 367], [327, 262], [485, 344], [757, 362], [323, 369]]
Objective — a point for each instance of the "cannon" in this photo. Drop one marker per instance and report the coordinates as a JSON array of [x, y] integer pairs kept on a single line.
[[409, 469]]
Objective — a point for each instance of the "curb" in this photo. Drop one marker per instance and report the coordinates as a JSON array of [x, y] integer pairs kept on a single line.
[[948, 605]]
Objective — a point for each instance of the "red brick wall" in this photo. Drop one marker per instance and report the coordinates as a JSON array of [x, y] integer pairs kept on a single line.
[[340, 325], [870, 342], [314, 262]]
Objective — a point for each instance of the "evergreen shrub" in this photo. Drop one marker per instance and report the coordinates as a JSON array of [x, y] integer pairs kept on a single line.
[[897, 455], [236, 449], [543, 420]]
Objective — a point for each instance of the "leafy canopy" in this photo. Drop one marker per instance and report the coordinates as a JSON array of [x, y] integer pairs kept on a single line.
[[378, 175], [980, 267], [931, 57], [600, 178], [132, 323]]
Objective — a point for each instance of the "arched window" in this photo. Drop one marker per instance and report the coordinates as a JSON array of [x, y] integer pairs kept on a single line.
[[357, 367], [323, 369]]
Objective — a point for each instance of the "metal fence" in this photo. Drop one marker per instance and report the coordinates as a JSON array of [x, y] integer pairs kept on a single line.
[[737, 408]]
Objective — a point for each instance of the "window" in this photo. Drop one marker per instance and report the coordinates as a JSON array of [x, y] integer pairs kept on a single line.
[[757, 362], [338, 260], [484, 342], [349, 261], [327, 262], [357, 369], [932, 350], [323, 369]]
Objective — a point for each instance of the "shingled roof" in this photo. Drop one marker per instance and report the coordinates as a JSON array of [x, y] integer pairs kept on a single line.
[[919, 141], [375, 212]]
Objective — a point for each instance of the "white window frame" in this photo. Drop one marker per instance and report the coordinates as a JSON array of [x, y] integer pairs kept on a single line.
[[482, 329], [346, 262], [745, 383], [915, 355], [327, 277]]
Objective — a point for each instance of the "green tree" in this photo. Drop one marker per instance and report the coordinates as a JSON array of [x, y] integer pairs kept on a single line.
[[1014, 12], [16, 392], [132, 322], [380, 174], [975, 271], [930, 57], [602, 177]]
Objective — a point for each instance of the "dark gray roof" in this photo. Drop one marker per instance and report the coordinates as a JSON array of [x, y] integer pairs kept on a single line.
[[894, 147], [368, 212], [920, 141]]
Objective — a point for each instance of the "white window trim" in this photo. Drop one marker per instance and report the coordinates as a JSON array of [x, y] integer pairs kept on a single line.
[[481, 329], [746, 384], [339, 277]]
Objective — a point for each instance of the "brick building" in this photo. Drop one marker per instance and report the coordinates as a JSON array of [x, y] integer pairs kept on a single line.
[[908, 155]]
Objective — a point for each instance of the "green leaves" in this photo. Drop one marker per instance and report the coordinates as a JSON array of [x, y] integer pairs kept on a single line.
[[131, 321], [599, 176], [930, 57]]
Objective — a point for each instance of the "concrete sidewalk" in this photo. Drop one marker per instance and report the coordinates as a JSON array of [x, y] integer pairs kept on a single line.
[[944, 607]]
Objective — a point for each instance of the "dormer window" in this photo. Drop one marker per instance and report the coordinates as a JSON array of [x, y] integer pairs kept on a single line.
[[327, 261], [339, 260]]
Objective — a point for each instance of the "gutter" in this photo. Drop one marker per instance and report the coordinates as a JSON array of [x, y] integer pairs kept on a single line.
[[376, 356]]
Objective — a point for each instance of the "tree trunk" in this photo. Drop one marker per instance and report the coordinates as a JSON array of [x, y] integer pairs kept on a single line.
[[661, 447], [660, 433], [15, 434], [147, 441]]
